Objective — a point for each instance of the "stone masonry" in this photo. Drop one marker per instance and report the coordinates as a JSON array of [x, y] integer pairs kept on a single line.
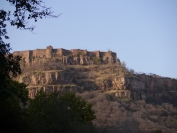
[[67, 57]]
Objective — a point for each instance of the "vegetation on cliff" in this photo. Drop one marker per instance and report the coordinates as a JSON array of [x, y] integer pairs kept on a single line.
[[17, 113], [123, 101], [128, 116]]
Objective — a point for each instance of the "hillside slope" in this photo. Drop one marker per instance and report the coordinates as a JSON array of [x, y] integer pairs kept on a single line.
[[119, 96], [81, 70]]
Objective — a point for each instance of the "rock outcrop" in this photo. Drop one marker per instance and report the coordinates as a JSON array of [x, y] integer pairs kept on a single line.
[[79, 70]]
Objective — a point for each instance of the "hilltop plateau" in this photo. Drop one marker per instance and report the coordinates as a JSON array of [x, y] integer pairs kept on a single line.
[[81, 70], [102, 79]]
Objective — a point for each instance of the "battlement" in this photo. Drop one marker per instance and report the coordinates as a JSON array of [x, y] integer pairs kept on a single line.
[[73, 56]]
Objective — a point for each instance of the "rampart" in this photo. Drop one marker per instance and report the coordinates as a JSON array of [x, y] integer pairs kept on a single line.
[[73, 56]]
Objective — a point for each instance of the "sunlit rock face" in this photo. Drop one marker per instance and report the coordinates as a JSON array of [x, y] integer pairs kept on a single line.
[[81, 70], [49, 81], [129, 83], [46, 77], [128, 87]]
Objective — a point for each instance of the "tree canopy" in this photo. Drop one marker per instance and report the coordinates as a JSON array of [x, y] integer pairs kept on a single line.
[[61, 113], [13, 95], [44, 113], [24, 11]]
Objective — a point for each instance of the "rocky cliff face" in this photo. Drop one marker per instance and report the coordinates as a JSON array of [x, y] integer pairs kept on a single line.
[[80, 70], [159, 89], [46, 77], [107, 78]]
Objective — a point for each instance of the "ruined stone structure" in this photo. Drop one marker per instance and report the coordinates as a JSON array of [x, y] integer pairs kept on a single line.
[[80, 70], [67, 57]]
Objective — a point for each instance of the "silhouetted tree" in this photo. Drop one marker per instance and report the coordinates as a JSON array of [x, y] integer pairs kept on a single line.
[[61, 113], [13, 94], [24, 11]]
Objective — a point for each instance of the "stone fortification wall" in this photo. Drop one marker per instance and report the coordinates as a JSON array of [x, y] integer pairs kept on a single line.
[[65, 52], [70, 57], [26, 55], [109, 57], [21, 53], [60, 52], [41, 53], [78, 52]]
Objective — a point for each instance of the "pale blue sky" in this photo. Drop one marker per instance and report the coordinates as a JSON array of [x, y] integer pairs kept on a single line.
[[143, 33]]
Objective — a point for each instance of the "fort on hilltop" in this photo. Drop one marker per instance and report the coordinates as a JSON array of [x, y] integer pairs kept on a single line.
[[68, 57]]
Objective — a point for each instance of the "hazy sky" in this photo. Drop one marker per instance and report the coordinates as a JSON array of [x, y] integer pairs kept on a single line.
[[143, 33]]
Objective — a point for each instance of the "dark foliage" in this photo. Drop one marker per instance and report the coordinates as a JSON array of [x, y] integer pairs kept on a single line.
[[12, 98], [26, 10], [14, 95], [61, 113]]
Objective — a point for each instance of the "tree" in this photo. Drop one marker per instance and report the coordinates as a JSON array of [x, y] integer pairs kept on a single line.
[[12, 115], [24, 11], [61, 113], [132, 71], [123, 64], [158, 131], [97, 61], [12, 93]]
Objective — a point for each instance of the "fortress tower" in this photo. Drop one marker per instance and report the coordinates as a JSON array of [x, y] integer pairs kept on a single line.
[[85, 52], [97, 54], [28, 57], [49, 51]]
